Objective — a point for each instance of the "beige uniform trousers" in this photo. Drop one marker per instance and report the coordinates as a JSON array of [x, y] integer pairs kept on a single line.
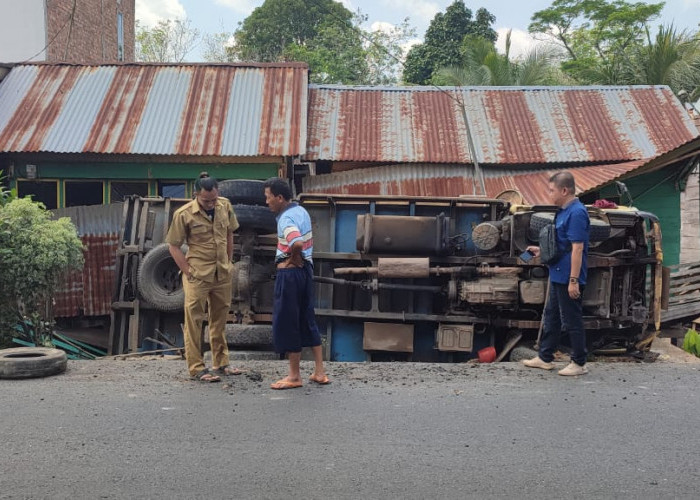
[[197, 294]]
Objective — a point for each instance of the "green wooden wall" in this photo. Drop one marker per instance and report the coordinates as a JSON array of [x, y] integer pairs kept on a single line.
[[658, 193], [151, 172]]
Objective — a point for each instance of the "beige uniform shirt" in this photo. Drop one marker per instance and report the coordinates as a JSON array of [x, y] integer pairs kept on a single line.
[[206, 239]]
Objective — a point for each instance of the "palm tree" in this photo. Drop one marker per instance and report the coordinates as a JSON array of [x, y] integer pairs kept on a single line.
[[483, 65], [672, 58]]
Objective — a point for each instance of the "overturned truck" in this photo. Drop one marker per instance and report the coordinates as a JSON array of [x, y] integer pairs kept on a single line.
[[416, 278]]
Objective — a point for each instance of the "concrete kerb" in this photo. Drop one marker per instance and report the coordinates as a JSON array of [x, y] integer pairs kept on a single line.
[[670, 353]]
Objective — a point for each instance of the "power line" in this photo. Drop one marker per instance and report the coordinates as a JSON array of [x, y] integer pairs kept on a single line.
[[46, 47]]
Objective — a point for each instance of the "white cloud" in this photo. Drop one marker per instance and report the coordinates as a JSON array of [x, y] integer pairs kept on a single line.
[[422, 11], [149, 12], [521, 42], [382, 26], [244, 7]]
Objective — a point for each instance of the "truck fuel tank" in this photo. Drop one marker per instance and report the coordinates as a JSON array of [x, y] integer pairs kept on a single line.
[[402, 234]]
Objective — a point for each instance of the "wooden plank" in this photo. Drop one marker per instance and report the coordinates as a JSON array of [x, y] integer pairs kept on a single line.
[[678, 281]]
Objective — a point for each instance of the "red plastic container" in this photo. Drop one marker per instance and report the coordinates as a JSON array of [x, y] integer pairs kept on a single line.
[[487, 355]]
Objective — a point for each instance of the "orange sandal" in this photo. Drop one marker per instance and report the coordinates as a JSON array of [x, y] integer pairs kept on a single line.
[[283, 384], [320, 380]]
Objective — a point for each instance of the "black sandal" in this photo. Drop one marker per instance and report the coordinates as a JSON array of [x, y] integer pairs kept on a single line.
[[206, 377], [227, 370]]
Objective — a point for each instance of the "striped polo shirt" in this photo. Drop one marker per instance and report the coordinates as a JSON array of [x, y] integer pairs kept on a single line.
[[294, 224]]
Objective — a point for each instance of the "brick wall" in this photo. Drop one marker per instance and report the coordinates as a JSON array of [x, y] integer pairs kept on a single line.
[[85, 31]]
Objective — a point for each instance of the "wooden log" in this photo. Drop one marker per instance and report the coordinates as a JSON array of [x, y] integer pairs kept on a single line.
[[391, 267]]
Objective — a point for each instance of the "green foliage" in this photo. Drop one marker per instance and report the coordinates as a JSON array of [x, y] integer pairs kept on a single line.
[[598, 35], [443, 41], [691, 342], [670, 58], [483, 65], [35, 253], [6, 194], [273, 27], [168, 41], [334, 55]]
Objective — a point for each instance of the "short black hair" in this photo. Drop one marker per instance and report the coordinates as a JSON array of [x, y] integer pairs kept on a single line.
[[278, 186], [205, 182], [564, 179]]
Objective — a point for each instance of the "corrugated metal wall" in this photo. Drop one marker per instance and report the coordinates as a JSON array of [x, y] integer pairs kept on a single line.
[[89, 292]]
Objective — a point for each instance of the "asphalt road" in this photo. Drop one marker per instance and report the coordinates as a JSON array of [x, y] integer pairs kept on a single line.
[[141, 429]]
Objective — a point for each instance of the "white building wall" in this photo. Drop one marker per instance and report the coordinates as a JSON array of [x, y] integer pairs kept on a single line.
[[22, 30]]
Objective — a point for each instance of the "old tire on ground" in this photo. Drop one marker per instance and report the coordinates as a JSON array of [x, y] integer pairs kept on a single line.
[[255, 218], [243, 191], [159, 281], [521, 352], [31, 362], [600, 230]]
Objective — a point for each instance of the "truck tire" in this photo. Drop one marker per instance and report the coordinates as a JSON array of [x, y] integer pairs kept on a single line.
[[31, 362], [600, 230], [159, 281], [256, 218], [243, 191]]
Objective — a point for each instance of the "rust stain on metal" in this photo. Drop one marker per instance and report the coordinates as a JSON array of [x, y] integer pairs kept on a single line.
[[514, 121], [116, 122], [38, 110], [592, 129]]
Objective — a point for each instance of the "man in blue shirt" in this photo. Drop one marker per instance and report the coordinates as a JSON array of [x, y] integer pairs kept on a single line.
[[567, 279], [293, 319]]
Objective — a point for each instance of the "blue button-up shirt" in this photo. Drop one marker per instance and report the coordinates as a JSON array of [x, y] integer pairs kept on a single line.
[[573, 226]]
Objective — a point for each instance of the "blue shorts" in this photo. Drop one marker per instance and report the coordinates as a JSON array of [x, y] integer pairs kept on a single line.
[[293, 319]]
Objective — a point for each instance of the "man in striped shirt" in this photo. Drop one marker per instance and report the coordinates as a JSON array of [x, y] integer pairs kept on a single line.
[[293, 319]]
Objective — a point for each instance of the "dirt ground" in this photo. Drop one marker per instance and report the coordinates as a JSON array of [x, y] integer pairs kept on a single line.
[[258, 374]]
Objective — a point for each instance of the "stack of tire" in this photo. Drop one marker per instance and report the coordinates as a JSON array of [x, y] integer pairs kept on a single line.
[[248, 200], [599, 230], [158, 278]]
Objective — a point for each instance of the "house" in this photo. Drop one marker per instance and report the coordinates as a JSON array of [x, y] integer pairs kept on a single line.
[[89, 135], [67, 31], [492, 140], [74, 137]]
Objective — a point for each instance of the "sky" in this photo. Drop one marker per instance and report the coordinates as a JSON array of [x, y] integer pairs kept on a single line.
[[215, 16]]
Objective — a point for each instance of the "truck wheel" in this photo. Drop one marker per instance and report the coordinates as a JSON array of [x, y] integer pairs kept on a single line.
[[31, 362], [256, 218], [600, 230], [243, 191], [159, 281]]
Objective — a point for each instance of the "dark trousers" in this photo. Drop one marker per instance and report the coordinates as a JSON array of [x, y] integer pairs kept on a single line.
[[293, 318], [562, 313]]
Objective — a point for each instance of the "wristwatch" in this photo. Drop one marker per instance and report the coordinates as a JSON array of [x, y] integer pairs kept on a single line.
[[573, 279]]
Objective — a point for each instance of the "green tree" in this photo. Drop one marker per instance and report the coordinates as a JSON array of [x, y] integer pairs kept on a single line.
[[334, 55], [276, 25], [483, 65], [597, 35], [35, 252], [670, 58], [443, 41], [168, 41]]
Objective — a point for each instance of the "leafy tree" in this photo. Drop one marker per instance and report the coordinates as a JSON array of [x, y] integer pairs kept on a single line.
[[483, 65], [35, 252], [597, 35], [334, 55], [168, 41], [276, 25], [671, 58], [443, 41]]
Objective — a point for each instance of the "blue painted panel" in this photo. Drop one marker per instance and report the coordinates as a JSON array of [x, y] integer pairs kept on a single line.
[[346, 227], [346, 341]]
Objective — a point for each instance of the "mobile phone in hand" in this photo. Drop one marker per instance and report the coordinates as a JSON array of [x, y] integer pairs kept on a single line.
[[526, 256]]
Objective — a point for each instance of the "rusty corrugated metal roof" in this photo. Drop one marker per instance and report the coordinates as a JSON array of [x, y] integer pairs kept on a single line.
[[509, 125], [159, 109], [456, 180], [89, 291]]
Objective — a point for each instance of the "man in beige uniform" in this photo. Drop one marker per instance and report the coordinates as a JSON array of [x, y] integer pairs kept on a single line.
[[206, 224]]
